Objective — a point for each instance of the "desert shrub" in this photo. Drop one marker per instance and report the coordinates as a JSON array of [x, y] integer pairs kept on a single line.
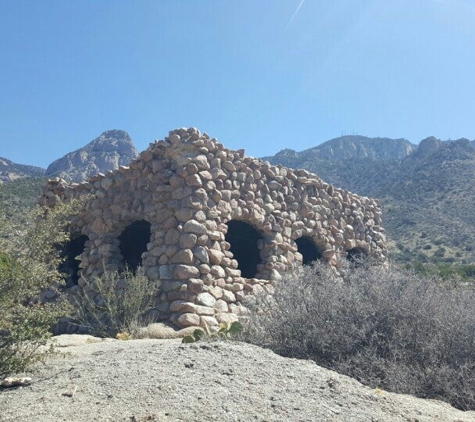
[[387, 328], [5, 262], [27, 266], [444, 270], [117, 302], [20, 195]]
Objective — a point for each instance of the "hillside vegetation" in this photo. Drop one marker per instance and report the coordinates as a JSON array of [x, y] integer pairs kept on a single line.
[[20, 195]]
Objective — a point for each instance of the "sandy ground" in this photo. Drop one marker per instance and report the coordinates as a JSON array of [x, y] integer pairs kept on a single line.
[[165, 380]]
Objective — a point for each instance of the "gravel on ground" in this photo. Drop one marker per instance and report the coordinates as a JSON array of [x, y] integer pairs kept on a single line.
[[165, 380]]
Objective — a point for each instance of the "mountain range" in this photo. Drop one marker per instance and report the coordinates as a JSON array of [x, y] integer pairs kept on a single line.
[[113, 148], [10, 171], [427, 190]]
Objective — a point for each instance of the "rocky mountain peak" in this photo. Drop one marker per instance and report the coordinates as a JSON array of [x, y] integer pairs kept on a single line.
[[112, 140], [443, 150], [112, 149], [428, 146]]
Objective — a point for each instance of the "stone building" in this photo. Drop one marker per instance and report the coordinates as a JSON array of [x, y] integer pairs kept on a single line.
[[212, 225]]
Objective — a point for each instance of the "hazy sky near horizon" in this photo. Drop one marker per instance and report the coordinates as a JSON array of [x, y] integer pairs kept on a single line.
[[257, 74]]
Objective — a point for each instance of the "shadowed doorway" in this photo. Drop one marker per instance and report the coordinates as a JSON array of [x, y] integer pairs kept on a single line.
[[309, 250], [73, 249], [243, 239], [133, 243]]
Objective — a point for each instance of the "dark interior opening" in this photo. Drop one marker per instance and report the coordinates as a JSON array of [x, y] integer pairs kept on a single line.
[[309, 250], [243, 239], [72, 250], [133, 243], [356, 256]]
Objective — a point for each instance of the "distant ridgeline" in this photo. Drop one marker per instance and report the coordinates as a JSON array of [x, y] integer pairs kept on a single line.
[[10, 171]]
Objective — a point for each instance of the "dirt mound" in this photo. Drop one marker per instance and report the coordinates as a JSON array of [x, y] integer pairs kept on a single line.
[[165, 380]]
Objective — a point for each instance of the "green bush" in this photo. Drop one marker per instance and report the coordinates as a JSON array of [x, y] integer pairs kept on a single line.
[[389, 329], [5, 262], [117, 302], [445, 270], [28, 265], [439, 253]]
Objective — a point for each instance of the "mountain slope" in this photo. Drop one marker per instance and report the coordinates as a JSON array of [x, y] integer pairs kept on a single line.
[[430, 200], [428, 195], [107, 152], [19, 196], [10, 171]]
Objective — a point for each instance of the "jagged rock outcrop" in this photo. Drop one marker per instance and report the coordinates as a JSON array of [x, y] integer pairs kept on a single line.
[[433, 148], [428, 146], [10, 171], [112, 149]]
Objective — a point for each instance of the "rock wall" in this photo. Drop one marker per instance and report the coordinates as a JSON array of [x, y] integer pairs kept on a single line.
[[186, 189]]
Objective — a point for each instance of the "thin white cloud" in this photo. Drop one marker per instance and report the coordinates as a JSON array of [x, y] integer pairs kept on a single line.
[[465, 3], [295, 13]]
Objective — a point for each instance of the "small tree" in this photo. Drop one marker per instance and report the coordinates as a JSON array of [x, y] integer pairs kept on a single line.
[[29, 264]]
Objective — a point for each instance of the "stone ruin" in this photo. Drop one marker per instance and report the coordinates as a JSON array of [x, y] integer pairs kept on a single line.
[[211, 225]]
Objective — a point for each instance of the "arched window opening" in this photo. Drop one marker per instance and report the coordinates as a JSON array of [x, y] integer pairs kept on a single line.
[[243, 239], [309, 250], [356, 256], [133, 243], [72, 250]]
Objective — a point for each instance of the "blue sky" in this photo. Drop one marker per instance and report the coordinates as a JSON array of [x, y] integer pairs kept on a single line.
[[257, 74]]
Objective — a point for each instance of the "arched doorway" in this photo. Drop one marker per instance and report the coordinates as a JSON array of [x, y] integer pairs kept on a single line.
[[133, 243], [72, 250], [243, 239], [309, 250]]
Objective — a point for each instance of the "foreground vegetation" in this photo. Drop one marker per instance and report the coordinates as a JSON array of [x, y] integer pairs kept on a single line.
[[29, 260], [20, 196], [116, 304], [389, 329]]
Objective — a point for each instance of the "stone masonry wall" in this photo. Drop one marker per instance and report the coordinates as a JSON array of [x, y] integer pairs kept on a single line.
[[188, 187]]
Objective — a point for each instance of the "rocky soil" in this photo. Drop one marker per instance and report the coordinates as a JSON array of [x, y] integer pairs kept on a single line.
[[165, 380]]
